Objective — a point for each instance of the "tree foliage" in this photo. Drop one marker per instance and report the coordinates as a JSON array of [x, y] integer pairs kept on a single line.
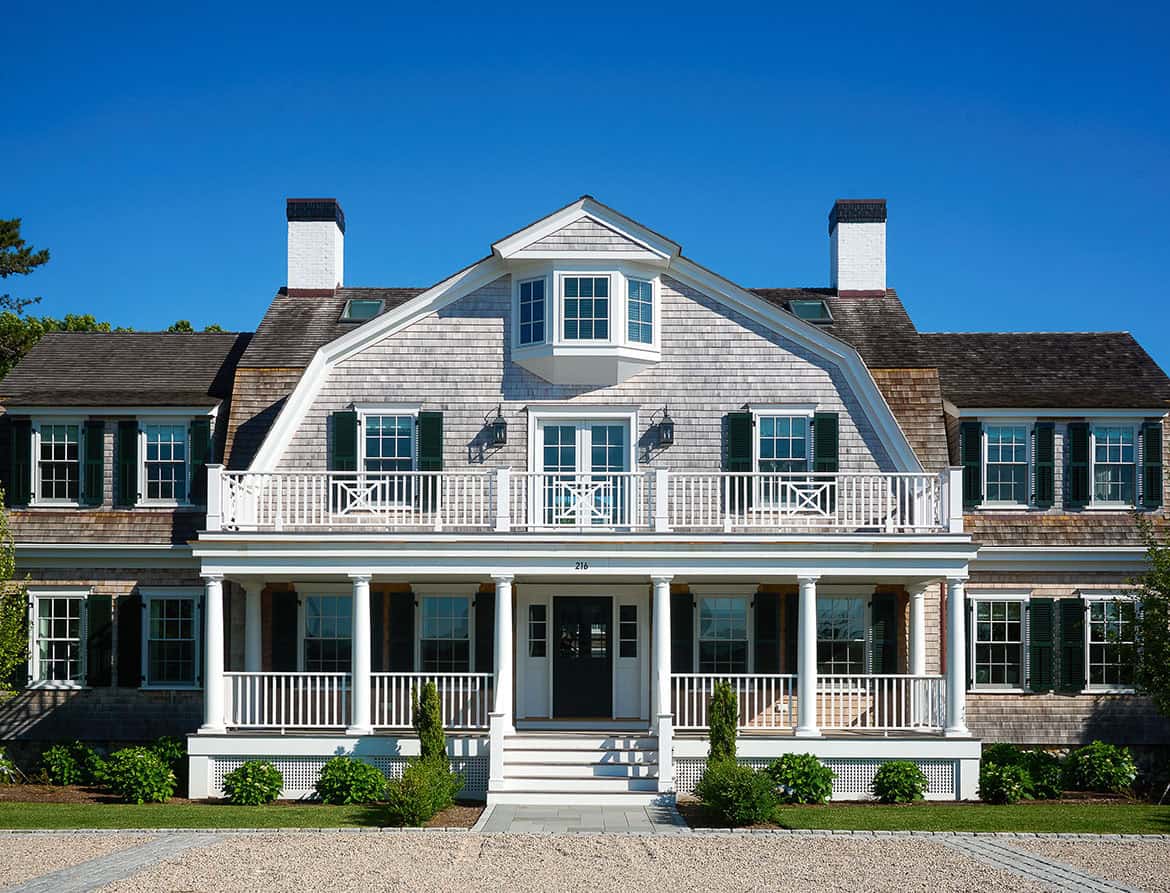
[[1153, 621], [13, 612], [17, 258]]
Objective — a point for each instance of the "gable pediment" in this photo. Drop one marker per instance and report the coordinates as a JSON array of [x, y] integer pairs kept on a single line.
[[586, 236], [587, 229]]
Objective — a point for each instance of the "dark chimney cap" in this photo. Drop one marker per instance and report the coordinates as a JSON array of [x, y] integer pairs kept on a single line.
[[857, 210], [316, 209]]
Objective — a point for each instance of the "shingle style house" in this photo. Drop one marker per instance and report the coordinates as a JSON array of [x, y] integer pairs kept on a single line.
[[574, 484]]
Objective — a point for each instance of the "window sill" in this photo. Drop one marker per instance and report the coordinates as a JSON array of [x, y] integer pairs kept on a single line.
[[993, 690], [1005, 507], [174, 687], [56, 686], [1109, 691], [1108, 507]]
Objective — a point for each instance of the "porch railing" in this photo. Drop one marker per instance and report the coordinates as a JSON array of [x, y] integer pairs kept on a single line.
[[656, 500], [465, 699], [863, 702], [287, 700]]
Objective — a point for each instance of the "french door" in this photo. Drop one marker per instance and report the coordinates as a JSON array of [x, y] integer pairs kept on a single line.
[[584, 475]]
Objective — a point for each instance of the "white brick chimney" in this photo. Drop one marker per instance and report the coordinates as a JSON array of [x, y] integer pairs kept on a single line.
[[316, 244], [857, 245]]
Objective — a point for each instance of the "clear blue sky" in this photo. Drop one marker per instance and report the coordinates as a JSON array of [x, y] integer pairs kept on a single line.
[[1024, 151]]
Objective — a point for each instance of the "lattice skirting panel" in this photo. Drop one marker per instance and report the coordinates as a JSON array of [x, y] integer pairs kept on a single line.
[[852, 782], [300, 773]]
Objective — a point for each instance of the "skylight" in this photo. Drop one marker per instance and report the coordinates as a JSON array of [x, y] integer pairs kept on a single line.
[[814, 310], [359, 310]]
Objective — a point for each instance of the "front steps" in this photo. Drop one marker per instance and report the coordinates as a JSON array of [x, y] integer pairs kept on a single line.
[[579, 768]]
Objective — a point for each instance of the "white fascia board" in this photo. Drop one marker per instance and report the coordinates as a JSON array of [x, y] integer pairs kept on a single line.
[[816, 340], [599, 213], [1059, 412], [433, 299], [1048, 559], [119, 555], [82, 411]]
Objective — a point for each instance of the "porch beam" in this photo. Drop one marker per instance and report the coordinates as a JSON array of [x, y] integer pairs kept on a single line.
[[253, 631], [918, 627], [360, 722], [956, 658], [806, 657], [213, 701]]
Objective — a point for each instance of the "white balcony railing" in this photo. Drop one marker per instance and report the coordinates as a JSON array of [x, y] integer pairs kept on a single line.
[[887, 703], [658, 500], [465, 699], [287, 700]]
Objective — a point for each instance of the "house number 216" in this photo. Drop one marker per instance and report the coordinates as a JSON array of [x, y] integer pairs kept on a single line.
[[581, 566]]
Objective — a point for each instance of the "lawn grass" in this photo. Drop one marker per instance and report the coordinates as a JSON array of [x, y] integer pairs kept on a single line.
[[1068, 818], [185, 815]]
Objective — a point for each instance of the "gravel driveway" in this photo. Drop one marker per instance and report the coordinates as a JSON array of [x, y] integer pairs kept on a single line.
[[1144, 864], [26, 856]]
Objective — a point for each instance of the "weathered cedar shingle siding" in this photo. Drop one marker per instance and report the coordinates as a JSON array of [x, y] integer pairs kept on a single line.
[[714, 361], [587, 235], [916, 401]]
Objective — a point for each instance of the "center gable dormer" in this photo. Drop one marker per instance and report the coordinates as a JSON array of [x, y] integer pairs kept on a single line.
[[586, 295]]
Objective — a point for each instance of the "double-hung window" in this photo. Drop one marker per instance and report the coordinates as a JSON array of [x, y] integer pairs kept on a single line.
[[640, 310], [841, 635], [56, 649], [1114, 464], [532, 312], [585, 308], [782, 447], [445, 634], [1112, 649], [723, 635], [998, 640], [59, 462], [165, 462], [170, 655], [388, 446], [328, 639], [1006, 462]]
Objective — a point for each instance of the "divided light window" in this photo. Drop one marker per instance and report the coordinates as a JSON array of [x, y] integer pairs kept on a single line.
[[328, 633], [1114, 464], [1112, 648], [999, 643], [723, 638], [57, 655], [841, 636], [58, 462], [445, 635], [586, 308], [389, 442], [783, 443], [166, 462], [532, 312], [1007, 464], [537, 630], [640, 310], [171, 629]]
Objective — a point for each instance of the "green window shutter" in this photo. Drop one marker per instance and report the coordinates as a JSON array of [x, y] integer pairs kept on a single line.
[[93, 452], [1078, 464], [1152, 465], [99, 655], [826, 443], [1044, 457], [130, 608], [884, 653], [377, 631], [1041, 626], [967, 631], [430, 441], [1072, 645], [738, 458], [18, 473], [285, 632], [682, 633], [971, 458], [791, 631], [767, 632], [343, 455], [199, 433], [126, 460], [485, 632], [402, 632]]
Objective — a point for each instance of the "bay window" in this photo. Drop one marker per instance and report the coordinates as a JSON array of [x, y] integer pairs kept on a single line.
[[640, 310], [723, 635], [532, 312], [585, 308]]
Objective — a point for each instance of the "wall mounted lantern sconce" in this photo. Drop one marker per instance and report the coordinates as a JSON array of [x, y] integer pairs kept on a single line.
[[497, 428], [665, 429]]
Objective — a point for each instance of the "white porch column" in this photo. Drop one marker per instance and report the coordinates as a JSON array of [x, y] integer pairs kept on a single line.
[[918, 628], [501, 722], [956, 658], [806, 660], [213, 712], [360, 723], [660, 692], [253, 633]]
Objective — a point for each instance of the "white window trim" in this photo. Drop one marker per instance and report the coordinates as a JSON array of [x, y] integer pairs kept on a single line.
[[548, 302], [1024, 597], [1029, 425], [1104, 596], [163, 593], [796, 410], [37, 500], [612, 277], [178, 421], [714, 591], [539, 416], [452, 591], [655, 301], [1136, 428], [323, 590], [367, 410], [78, 594]]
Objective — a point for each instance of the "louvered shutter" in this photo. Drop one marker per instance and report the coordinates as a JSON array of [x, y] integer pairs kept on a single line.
[[826, 443], [1152, 465], [99, 646], [1072, 645], [738, 458], [682, 633], [430, 455], [1041, 626], [130, 608], [199, 433], [377, 631], [1078, 464], [884, 630], [285, 631], [767, 632], [971, 458], [402, 632], [343, 453], [1044, 470], [791, 631], [93, 462], [126, 460], [18, 485], [485, 632]]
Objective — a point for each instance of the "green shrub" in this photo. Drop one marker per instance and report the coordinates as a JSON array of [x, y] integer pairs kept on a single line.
[[801, 778], [1002, 783], [722, 718], [1045, 774], [345, 780], [425, 788], [1100, 767], [255, 783], [92, 766], [171, 750], [138, 775], [428, 723], [738, 794], [9, 774], [899, 781], [59, 766], [1002, 755]]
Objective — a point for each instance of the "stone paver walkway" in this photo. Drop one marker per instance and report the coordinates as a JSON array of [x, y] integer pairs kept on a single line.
[[114, 867], [1048, 872], [581, 819]]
